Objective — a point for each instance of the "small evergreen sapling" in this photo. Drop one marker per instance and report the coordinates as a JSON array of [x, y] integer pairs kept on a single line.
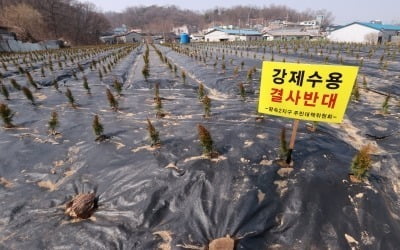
[[98, 129], [146, 72], [111, 100], [97, 126], [118, 87], [201, 91], [206, 141], [183, 76], [6, 115], [385, 105], [153, 133], [242, 91], [100, 75], [159, 113], [70, 97], [28, 94], [55, 85], [207, 106], [31, 81], [15, 84], [53, 123], [4, 91], [86, 85], [356, 92]]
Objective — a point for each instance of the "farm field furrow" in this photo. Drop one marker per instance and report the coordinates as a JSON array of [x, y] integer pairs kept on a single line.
[[173, 193]]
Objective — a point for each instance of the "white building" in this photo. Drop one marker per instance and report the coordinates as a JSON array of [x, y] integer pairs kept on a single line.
[[287, 35], [361, 32], [222, 35]]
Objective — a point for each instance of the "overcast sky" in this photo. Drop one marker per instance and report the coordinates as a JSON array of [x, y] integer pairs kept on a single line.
[[344, 11]]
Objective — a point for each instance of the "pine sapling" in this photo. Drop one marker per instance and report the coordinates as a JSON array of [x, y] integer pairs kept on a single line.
[[70, 97], [356, 92], [15, 84], [207, 106], [201, 91], [100, 75], [28, 94], [385, 105], [156, 91], [153, 133], [146, 72], [118, 87], [365, 83], [53, 122], [4, 92], [361, 164], [183, 76], [242, 91], [86, 85], [30, 80], [6, 115], [98, 129], [55, 85], [111, 100], [21, 70], [206, 141]]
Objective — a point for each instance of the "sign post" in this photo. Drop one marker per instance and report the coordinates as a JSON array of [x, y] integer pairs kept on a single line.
[[311, 92], [292, 140]]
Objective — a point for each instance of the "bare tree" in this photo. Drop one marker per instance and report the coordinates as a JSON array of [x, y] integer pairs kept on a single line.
[[25, 20]]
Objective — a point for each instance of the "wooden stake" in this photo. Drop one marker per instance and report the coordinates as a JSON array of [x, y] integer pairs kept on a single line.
[[292, 140]]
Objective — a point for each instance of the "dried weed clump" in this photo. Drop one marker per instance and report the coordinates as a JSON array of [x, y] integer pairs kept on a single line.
[[154, 135], [361, 163]]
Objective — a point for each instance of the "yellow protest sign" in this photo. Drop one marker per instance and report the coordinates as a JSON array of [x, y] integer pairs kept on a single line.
[[310, 92]]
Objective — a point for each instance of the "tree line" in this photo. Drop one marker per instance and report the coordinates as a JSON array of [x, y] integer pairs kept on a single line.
[[35, 20], [160, 19], [82, 23]]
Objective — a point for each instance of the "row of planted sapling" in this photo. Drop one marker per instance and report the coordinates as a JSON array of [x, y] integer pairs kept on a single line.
[[361, 162], [173, 67], [322, 51], [5, 89], [75, 206], [389, 49], [104, 62]]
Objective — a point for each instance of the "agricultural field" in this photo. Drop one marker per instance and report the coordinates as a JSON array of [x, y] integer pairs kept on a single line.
[[169, 140]]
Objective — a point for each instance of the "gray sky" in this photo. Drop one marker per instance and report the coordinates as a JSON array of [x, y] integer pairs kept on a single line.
[[344, 11]]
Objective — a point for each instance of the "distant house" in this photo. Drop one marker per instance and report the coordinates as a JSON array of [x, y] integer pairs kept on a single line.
[[184, 29], [120, 30], [129, 37], [287, 35], [222, 35], [6, 34], [363, 32], [108, 39], [196, 37]]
